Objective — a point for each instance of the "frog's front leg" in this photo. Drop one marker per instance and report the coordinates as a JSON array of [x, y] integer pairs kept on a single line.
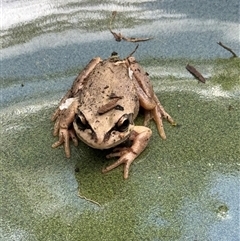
[[140, 137], [142, 83], [63, 126]]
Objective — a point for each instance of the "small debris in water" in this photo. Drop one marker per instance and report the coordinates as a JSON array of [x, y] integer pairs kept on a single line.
[[228, 49], [119, 37], [222, 211], [195, 73]]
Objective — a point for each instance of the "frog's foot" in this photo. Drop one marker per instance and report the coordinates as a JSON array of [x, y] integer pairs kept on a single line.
[[158, 114], [126, 158], [64, 136], [140, 137], [163, 113]]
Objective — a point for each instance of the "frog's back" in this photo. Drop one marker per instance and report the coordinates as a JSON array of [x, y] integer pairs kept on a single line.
[[109, 79]]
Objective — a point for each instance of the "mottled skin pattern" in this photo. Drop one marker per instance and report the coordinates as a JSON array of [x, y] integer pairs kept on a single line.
[[101, 106]]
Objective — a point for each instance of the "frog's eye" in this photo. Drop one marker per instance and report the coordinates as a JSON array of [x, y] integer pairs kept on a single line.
[[124, 122], [81, 121]]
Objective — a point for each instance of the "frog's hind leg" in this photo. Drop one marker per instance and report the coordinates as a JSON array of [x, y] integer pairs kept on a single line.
[[77, 84], [147, 98]]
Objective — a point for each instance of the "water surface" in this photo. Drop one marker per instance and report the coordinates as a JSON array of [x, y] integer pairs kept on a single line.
[[183, 188]]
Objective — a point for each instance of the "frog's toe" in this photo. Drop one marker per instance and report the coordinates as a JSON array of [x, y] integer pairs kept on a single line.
[[63, 139], [57, 143], [73, 137], [125, 159], [118, 151], [55, 114], [56, 127], [158, 119]]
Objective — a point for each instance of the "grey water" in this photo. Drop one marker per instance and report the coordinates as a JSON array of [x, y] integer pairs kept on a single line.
[[186, 188]]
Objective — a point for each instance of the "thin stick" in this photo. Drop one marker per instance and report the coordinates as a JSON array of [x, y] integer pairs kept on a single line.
[[114, 13], [119, 37], [89, 200], [133, 51], [135, 40], [195, 73], [228, 49]]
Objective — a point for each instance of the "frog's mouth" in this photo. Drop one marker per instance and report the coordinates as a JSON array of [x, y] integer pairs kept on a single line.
[[104, 140], [115, 140]]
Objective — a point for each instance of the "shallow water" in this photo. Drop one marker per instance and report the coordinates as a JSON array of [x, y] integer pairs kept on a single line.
[[183, 188]]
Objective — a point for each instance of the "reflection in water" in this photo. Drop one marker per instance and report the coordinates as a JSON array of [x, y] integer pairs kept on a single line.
[[22, 22]]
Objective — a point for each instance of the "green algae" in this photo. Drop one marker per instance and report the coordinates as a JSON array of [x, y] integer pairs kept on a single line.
[[227, 73], [151, 204], [169, 194]]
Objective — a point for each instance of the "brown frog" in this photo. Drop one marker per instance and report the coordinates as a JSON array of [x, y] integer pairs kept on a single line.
[[101, 106]]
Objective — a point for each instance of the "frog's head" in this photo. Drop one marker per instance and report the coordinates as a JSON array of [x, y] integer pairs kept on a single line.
[[105, 130]]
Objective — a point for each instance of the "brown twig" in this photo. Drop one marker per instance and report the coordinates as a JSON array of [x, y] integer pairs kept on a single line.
[[89, 200], [135, 40], [195, 73], [133, 51], [119, 37], [228, 49]]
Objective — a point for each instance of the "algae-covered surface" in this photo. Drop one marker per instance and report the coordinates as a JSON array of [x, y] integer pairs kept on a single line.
[[186, 187]]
